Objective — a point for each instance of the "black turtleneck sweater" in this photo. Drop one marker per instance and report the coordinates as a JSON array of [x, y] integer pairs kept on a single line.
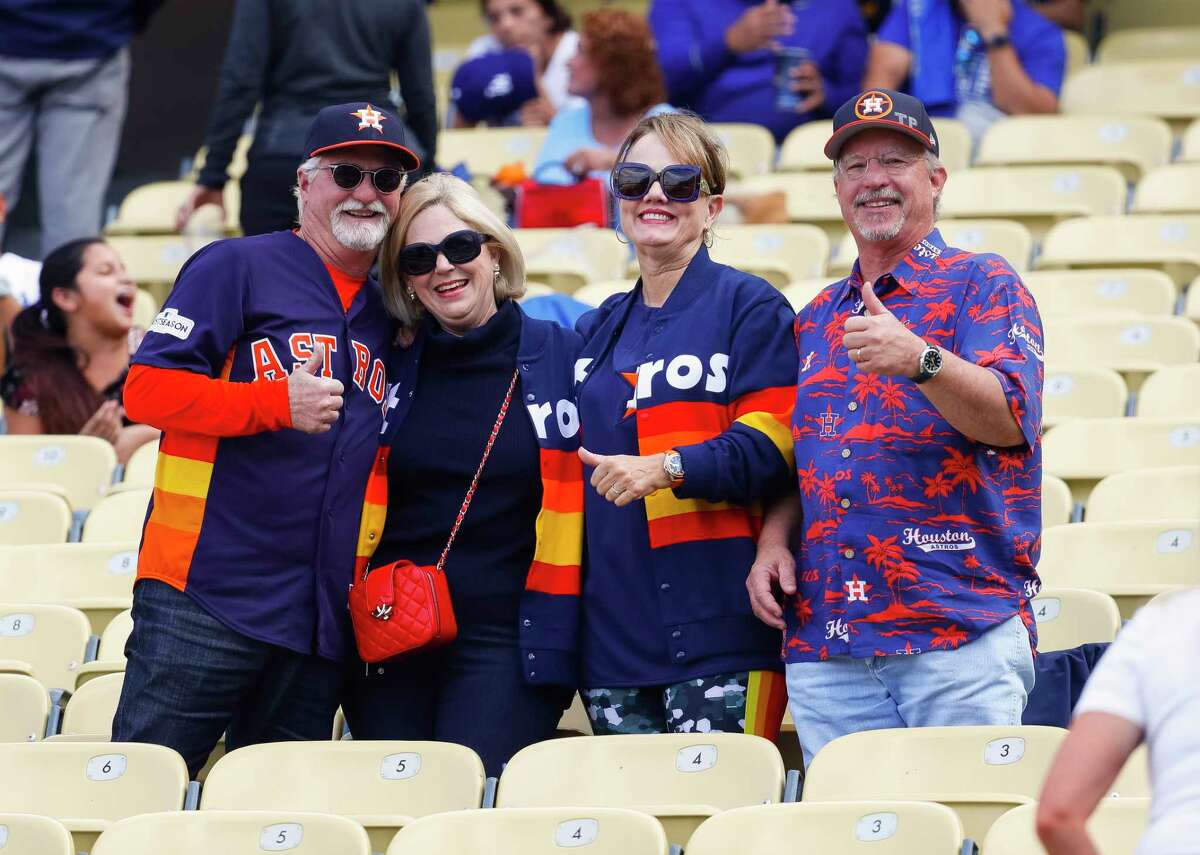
[[460, 385]]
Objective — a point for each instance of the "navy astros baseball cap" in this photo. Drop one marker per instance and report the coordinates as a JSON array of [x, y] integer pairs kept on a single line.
[[881, 108], [358, 123], [494, 85]]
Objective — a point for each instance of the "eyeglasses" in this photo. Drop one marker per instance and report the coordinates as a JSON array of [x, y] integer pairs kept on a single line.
[[680, 182], [348, 176], [459, 247], [893, 164]]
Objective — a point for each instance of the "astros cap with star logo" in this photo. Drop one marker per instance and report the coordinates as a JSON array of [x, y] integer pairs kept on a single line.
[[885, 109], [358, 123]]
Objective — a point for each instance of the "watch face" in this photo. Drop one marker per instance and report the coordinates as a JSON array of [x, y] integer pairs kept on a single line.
[[931, 361]]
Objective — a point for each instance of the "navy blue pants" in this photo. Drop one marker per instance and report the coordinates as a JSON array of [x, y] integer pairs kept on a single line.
[[470, 692], [189, 678]]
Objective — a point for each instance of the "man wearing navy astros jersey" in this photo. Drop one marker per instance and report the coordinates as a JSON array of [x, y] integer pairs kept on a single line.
[[265, 372]]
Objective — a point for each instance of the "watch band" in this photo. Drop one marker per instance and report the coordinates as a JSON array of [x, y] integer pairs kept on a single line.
[[997, 41]]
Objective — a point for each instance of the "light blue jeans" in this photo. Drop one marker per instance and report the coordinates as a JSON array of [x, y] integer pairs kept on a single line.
[[985, 682]]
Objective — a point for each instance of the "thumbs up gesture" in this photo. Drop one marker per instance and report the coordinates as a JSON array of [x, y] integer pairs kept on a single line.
[[314, 401], [625, 478], [878, 342]]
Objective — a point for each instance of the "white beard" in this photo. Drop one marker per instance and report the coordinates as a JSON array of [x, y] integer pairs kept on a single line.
[[356, 234], [880, 233]]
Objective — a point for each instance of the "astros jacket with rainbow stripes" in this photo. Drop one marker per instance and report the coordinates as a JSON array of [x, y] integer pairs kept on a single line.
[[719, 388], [548, 623]]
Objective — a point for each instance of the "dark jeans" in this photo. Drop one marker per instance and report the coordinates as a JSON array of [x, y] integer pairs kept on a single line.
[[471, 692], [189, 678], [268, 204]]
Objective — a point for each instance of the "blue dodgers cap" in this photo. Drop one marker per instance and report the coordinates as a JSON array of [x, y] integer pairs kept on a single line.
[[494, 85], [881, 108], [358, 123]]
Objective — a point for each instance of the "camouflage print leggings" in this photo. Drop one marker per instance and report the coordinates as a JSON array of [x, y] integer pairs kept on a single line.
[[706, 704]]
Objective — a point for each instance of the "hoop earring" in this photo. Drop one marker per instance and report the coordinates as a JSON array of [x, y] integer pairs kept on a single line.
[[618, 233]]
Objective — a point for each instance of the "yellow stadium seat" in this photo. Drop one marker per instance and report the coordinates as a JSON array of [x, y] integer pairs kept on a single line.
[[33, 516], [145, 307], [568, 259], [51, 639], [139, 471], [234, 833], [1167, 243], [485, 150], [82, 465], [596, 293], [91, 709], [980, 772], [237, 166], [1149, 42], [1191, 308], [110, 657], [751, 148], [811, 197], [1119, 291], [1166, 89], [777, 253], [1146, 494], [1082, 392], [381, 785], [29, 834], [1171, 392], [536, 289], [533, 831], [118, 517], [1035, 196], [1114, 827], [681, 778], [832, 828], [1132, 345], [1190, 148], [801, 292], [153, 261], [88, 786], [1130, 561], [150, 209], [1069, 617], [803, 149], [24, 708], [1083, 451], [96, 578], [1172, 189], [1137, 14], [1056, 504], [1077, 51], [1132, 144]]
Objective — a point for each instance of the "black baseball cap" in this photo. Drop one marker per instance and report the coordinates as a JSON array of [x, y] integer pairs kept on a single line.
[[358, 123], [881, 108]]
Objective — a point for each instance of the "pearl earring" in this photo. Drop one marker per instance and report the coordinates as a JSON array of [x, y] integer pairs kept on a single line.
[[412, 294]]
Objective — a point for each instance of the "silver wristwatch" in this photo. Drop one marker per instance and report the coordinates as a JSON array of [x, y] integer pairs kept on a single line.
[[929, 364], [673, 466]]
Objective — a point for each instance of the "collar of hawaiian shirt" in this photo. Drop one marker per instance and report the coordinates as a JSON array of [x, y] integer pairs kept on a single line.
[[919, 260]]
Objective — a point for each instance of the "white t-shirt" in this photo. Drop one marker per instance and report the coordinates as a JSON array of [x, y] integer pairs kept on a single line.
[[554, 80], [1151, 678]]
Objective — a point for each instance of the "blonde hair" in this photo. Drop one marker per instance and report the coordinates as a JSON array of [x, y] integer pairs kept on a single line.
[[688, 138], [460, 199]]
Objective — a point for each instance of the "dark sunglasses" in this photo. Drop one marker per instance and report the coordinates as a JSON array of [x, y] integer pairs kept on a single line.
[[417, 259], [680, 182], [348, 176]]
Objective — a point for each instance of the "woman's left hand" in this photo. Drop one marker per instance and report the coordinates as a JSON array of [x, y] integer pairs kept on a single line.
[[625, 478], [586, 160]]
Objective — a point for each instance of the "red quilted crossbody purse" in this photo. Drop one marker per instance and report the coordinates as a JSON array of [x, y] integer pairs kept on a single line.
[[403, 607]]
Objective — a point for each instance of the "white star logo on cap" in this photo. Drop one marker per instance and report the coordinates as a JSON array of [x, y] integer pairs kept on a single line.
[[369, 117]]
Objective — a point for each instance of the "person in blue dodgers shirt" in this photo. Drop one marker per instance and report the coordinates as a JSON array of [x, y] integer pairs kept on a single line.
[[976, 60], [686, 385], [452, 273], [720, 57], [917, 441], [266, 372]]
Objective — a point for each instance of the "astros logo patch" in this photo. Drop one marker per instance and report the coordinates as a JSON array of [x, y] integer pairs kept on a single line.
[[369, 118], [873, 105]]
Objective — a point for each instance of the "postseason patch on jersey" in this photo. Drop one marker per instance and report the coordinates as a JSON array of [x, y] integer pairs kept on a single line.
[[170, 322]]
